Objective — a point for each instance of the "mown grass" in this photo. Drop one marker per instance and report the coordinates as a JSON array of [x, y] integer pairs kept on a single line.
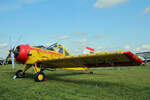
[[105, 84]]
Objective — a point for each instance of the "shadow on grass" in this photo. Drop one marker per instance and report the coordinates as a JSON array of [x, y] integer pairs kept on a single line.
[[118, 89], [60, 77]]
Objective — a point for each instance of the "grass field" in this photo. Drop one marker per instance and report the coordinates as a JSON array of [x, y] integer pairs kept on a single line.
[[106, 84]]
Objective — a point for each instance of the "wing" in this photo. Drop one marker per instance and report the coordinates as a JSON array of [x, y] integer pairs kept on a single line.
[[104, 59]]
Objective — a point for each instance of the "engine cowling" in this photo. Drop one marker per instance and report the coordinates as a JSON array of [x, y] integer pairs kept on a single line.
[[21, 53]]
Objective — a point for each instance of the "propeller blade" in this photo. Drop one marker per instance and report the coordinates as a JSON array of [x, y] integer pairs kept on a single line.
[[12, 59]]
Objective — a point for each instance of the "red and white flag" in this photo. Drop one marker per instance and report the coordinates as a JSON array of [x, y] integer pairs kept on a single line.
[[88, 50]]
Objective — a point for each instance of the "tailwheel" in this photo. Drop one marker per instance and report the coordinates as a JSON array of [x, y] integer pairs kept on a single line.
[[20, 74], [39, 77]]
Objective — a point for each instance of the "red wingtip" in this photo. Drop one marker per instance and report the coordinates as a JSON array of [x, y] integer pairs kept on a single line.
[[133, 57]]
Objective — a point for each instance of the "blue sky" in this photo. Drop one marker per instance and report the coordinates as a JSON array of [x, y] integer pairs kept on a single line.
[[105, 25]]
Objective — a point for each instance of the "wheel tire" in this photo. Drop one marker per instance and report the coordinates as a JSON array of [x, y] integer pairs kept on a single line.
[[19, 75], [91, 72], [39, 77]]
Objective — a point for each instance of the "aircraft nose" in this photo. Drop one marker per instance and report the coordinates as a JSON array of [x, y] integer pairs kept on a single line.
[[21, 53]]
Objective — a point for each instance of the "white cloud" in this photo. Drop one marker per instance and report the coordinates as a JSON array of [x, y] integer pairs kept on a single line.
[[147, 10], [9, 7], [16, 4], [3, 45], [143, 48], [64, 37], [99, 36], [77, 50], [138, 49], [107, 3], [4, 52], [99, 49], [146, 47], [127, 47], [82, 41], [79, 44], [80, 33]]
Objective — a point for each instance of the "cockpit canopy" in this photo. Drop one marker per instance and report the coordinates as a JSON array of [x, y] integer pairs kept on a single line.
[[56, 47]]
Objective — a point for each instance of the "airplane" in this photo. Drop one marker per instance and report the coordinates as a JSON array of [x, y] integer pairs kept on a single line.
[[56, 57], [4, 61]]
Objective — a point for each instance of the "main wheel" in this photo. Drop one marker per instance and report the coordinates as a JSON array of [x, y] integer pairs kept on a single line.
[[19, 74], [39, 77]]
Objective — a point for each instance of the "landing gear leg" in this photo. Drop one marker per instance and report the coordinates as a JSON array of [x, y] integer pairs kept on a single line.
[[21, 73], [39, 76]]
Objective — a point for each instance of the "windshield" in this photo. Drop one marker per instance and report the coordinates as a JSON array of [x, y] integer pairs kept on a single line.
[[41, 46], [55, 47], [52, 47]]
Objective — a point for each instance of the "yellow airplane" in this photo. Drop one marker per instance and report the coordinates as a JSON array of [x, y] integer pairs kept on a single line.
[[57, 57]]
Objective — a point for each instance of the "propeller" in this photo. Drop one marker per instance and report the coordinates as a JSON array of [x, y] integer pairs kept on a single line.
[[11, 55], [12, 51], [12, 58]]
